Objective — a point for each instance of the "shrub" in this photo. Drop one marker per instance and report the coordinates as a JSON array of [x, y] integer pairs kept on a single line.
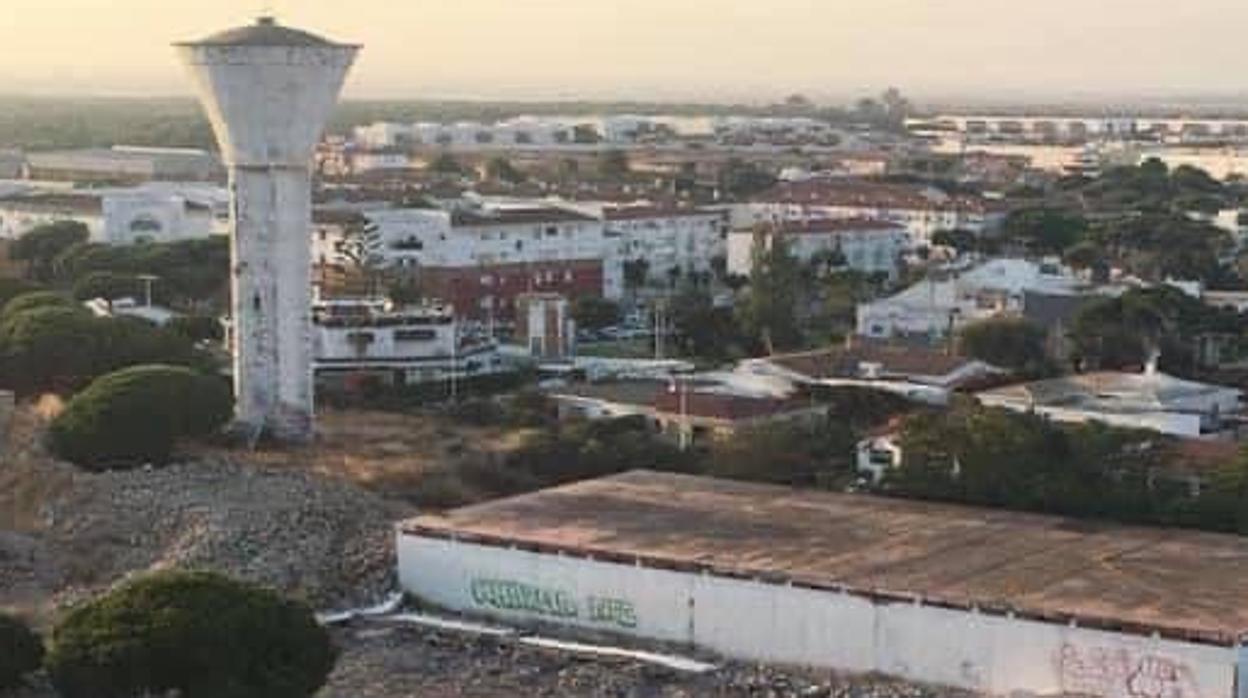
[[135, 415], [200, 634], [37, 299], [55, 347], [21, 651]]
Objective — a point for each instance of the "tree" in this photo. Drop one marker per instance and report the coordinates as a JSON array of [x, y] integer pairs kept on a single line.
[[702, 329], [1012, 343], [21, 652], [136, 415], [107, 285], [500, 169], [12, 288], [37, 299], [198, 634], [785, 453], [1045, 230], [41, 247], [613, 164], [446, 164], [636, 271], [593, 313], [47, 348], [739, 179], [585, 134], [769, 312], [958, 238]]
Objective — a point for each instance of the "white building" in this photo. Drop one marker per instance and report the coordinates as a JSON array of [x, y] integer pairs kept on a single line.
[[520, 132], [680, 241], [936, 307], [481, 258], [118, 216], [872, 246], [922, 210], [989, 601], [1149, 400], [404, 345]]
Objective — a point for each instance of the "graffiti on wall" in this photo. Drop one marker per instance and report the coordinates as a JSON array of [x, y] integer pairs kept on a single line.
[[1118, 672], [510, 595]]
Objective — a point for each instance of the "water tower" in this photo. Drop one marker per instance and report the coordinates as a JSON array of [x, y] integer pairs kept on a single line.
[[268, 91]]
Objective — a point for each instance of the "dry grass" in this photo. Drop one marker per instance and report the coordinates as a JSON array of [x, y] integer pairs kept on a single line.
[[398, 455], [29, 476]]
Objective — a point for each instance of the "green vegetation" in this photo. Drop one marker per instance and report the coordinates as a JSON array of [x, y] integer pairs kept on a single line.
[[1011, 343], [42, 247], [768, 314], [798, 454], [592, 313], [1146, 220], [197, 634], [136, 415], [21, 652], [997, 458], [48, 343], [1121, 332], [190, 273]]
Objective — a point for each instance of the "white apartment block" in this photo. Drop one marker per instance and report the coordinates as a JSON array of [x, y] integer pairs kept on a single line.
[[871, 246], [671, 240]]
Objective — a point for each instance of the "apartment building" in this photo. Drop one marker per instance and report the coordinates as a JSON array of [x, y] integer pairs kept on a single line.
[[868, 245]]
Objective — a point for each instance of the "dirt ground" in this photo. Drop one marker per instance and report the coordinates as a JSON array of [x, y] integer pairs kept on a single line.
[[395, 455]]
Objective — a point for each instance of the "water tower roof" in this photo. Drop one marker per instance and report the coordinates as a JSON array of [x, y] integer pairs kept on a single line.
[[264, 32]]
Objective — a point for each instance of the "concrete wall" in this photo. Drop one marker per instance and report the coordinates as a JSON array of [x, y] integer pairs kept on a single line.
[[782, 624]]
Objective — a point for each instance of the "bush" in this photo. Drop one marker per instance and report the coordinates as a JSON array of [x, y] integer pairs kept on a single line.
[[37, 299], [53, 347], [135, 415], [200, 634], [21, 652]]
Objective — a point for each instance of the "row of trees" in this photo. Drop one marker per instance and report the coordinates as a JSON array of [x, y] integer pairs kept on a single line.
[[191, 634], [1025, 462], [192, 273]]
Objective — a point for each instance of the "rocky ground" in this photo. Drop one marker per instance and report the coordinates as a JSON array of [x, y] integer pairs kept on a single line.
[[389, 661]]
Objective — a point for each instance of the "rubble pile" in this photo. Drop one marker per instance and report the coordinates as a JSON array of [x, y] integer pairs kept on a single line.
[[326, 541]]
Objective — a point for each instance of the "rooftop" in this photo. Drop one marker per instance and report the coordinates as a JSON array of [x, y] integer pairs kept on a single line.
[[1110, 391], [1177, 583], [842, 362], [265, 32], [819, 226], [517, 216]]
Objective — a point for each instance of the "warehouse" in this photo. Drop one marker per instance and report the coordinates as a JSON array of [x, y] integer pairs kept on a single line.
[[986, 600]]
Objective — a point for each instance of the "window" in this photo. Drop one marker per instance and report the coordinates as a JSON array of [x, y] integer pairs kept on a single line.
[[552, 231], [415, 335]]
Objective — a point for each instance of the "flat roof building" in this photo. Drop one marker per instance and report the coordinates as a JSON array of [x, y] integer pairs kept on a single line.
[[983, 599]]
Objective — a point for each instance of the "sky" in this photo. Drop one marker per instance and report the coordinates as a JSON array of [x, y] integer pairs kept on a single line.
[[749, 50]]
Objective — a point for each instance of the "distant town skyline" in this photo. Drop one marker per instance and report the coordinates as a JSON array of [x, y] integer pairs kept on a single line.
[[664, 49]]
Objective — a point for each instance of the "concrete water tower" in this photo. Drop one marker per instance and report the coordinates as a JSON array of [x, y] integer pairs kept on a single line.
[[268, 91]]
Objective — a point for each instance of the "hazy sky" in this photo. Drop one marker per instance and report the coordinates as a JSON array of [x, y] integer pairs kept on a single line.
[[740, 49]]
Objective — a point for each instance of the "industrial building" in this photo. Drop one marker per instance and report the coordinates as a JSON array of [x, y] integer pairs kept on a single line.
[[986, 600], [124, 164]]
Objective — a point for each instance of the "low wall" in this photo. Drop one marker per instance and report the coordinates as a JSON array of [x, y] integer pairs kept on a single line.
[[783, 624]]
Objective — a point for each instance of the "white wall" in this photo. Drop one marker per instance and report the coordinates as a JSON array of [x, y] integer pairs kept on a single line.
[[777, 623]]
